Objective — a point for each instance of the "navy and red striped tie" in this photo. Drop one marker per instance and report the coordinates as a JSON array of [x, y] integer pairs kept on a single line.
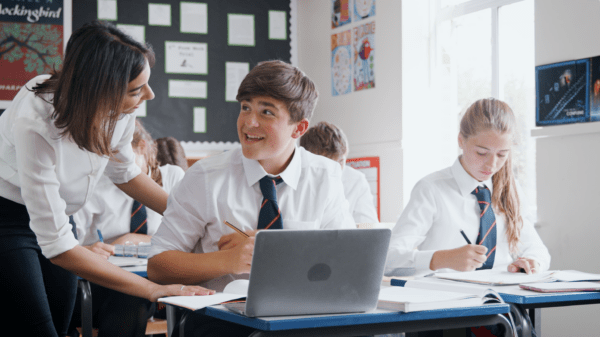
[[270, 215], [139, 218], [487, 225]]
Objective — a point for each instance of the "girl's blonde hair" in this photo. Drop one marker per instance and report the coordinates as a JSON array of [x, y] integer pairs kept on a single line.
[[139, 134], [492, 114]]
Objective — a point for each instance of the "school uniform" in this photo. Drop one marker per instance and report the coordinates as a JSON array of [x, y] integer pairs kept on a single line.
[[441, 204], [358, 194], [227, 187], [109, 210], [53, 178]]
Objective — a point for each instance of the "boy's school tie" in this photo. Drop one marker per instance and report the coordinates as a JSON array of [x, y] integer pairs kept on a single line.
[[139, 218], [270, 215]]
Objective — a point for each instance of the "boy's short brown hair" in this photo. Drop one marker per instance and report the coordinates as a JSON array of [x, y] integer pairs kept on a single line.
[[325, 139], [283, 82]]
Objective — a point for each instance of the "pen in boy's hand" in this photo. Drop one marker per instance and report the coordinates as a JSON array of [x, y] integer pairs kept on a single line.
[[235, 228], [100, 236], [465, 236]]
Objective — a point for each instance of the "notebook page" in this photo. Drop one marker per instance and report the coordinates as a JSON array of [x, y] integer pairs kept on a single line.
[[497, 277]]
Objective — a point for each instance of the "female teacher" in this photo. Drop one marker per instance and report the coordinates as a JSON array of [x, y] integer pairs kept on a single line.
[[58, 136]]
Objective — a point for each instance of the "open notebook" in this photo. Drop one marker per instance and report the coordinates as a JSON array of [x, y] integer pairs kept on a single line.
[[413, 299], [500, 277], [235, 290]]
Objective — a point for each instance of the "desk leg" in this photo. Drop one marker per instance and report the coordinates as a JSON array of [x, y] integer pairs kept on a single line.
[[170, 319], [536, 320], [86, 308]]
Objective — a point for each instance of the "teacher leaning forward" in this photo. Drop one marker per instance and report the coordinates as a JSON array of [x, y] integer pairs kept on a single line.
[[58, 136]]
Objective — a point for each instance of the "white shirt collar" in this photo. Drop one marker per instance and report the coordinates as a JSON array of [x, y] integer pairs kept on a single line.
[[291, 175], [466, 183]]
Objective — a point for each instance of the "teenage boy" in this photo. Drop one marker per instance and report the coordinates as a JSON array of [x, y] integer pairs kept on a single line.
[[268, 183], [328, 140]]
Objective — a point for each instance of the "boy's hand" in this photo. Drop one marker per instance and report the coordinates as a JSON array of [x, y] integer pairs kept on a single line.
[[103, 249], [231, 240], [465, 258], [178, 290], [241, 260], [526, 265]]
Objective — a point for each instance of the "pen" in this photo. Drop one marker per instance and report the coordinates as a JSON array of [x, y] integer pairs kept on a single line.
[[235, 228], [465, 236], [100, 235]]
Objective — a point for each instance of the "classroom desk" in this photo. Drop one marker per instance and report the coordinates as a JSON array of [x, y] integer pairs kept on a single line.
[[86, 299], [376, 322]]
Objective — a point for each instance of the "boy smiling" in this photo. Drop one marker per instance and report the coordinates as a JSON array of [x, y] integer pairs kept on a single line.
[[193, 245]]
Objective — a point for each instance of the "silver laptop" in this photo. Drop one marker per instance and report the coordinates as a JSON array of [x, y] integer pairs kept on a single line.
[[298, 272]]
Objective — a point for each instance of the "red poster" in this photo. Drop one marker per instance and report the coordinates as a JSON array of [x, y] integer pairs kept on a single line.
[[370, 167]]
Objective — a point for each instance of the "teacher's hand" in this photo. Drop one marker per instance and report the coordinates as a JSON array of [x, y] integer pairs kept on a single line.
[[103, 249], [178, 290]]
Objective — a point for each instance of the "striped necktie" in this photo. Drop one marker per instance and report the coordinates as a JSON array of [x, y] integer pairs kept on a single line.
[[487, 225], [270, 215], [139, 218]]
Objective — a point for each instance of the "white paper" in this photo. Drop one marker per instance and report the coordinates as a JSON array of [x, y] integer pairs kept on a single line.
[[194, 18], [122, 261], [574, 275], [186, 58], [241, 30], [141, 111], [235, 72], [239, 287], [137, 32], [496, 277], [107, 9], [200, 120], [198, 302], [159, 15], [277, 25], [187, 89]]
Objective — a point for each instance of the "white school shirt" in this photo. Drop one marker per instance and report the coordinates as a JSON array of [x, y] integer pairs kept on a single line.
[[226, 187], [109, 209], [440, 205], [50, 174], [358, 194]]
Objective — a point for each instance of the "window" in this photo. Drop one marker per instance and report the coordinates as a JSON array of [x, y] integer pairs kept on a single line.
[[455, 52]]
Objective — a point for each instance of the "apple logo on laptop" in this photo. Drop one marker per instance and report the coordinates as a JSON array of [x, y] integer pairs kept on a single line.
[[319, 272]]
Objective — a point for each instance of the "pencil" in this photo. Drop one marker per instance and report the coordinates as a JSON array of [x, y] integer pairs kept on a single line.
[[465, 236], [100, 235], [235, 228]]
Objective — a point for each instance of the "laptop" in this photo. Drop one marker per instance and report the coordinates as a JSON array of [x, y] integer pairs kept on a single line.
[[300, 272]]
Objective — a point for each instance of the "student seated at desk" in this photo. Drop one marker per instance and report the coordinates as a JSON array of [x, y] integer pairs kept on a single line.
[[122, 219], [328, 140], [428, 235], [268, 183]]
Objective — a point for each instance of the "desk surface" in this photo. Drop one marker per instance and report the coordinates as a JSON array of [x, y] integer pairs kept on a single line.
[[374, 317]]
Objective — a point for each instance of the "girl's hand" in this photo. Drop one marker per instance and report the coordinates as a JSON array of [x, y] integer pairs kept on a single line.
[[529, 266], [465, 258], [103, 249], [231, 240], [178, 290]]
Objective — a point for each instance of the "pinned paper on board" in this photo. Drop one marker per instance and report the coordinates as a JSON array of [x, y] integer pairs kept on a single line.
[[187, 89], [340, 13], [186, 58], [341, 63], [240, 30], [364, 56], [235, 72], [159, 14], [107, 10], [137, 32], [199, 119], [363, 9], [277, 25], [194, 17]]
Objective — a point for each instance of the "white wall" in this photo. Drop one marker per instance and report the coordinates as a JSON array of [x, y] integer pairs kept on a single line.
[[372, 118], [568, 184]]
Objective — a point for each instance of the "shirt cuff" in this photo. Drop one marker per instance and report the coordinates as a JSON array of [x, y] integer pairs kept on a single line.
[[423, 259], [59, 246]]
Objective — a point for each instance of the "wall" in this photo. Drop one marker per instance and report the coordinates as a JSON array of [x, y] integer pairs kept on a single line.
[[568, 186], [372, 118]]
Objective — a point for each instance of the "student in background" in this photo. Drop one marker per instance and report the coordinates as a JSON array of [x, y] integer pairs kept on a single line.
[[328, 140], [171, 152], [122, 219], [57, 137], [277, 101]]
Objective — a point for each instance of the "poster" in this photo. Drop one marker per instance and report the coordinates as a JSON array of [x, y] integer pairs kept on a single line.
[[562, 95], [364, 56], [363, 9], [340, 13], [594, 89], [341, 64], [31, 43], [240, 30], [370, 167], [186, 58]]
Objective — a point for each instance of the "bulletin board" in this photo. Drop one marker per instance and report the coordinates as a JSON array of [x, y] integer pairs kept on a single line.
[[204, 111], [370, 167]]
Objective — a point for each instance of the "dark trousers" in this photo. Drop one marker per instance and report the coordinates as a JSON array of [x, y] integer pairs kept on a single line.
[[115, 313], [38, 297]]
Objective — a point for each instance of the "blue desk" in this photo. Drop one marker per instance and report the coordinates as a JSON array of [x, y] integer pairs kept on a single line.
[[376, 322]]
